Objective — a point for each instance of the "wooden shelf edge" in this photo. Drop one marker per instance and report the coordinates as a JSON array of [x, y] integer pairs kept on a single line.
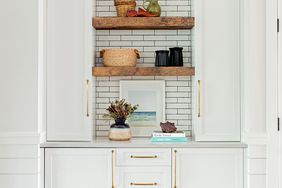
[[100, 23], [143, 71]]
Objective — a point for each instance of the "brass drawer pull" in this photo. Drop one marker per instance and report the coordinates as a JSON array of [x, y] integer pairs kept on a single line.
[[175, 153], [144, 156], [87, 97], [199, 98], [144, 184], [113, 170]]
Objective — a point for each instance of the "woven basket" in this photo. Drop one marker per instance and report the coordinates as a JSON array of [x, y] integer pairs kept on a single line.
[[119, 57], [122, 9], [125, 2]]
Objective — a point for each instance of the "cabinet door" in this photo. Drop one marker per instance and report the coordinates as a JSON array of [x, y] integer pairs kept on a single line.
[[73, 168], [208, 167], [217, 61], [68, 64]]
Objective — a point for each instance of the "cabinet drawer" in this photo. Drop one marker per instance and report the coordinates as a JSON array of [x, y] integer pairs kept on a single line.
[[134, 177], [143, 157]]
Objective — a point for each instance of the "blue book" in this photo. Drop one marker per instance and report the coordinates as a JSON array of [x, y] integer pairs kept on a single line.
[[169, 139]]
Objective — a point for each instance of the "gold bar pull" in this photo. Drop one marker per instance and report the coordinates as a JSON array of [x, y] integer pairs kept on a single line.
[[144, 184], [87, 97], [113, 168], [199, 98], [174, 186], [144, 156]]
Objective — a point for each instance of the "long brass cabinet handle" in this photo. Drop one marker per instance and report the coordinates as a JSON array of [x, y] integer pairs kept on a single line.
[[174, 171], [144, 156], [199, 98], [87, 97], [113, 168], [144, 184]]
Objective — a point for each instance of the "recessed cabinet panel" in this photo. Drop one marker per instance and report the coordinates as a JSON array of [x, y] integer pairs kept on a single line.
[[154, 177], [217, 62], [74, 168], [68, 62], [144, 157], [208, 167]]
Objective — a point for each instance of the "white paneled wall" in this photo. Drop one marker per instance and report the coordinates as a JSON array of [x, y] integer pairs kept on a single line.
[[19, 160], [256, 166], [19, 140], [254, 92]]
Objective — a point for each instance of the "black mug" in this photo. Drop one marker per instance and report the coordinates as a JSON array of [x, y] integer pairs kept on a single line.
[[176, 56], [162, 58]]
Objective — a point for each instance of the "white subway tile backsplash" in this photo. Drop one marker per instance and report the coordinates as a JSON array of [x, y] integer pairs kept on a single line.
[[153, 37], [168, 89], [113, 95], [184, 94], [166, 32], [178, 88], [184, 89], [109, 38], [176, 117], [143, 32], [120, 43], [165, 43], [136, 38], [102, 100], [143, 43], [103, 89], [178, 37], [120, 32], [171, 100], [111, 83], [179, 113], [184, 100], [177, 83], [177, 105]]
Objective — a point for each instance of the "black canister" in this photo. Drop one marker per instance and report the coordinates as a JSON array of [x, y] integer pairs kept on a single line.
[[162, 58], [176, 56]]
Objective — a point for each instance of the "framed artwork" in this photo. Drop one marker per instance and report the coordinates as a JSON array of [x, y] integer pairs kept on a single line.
[[150, 96]]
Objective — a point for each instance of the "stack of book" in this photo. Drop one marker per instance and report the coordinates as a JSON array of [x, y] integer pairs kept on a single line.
[[159, 136]]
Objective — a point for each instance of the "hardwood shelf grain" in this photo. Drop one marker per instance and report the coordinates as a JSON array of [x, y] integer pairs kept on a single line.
[[143, 71], [100, 23]]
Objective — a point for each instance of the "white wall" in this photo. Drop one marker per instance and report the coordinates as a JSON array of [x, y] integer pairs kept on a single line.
[[18, 97], [254, 92]]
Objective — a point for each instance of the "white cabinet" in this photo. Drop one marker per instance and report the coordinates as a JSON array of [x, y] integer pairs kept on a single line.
[[68, 70], [217, 61], [143, 167], [77, 167], [208, 167]]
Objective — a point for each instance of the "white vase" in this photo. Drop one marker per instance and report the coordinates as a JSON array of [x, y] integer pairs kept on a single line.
[[120, 134]]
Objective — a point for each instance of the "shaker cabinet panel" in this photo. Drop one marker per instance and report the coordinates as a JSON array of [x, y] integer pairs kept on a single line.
[[76, 167], [68, 70], [208, 167], [217, 61], [149, 177]]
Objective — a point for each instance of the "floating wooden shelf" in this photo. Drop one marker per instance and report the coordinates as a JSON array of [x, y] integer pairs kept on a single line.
[[143, 71], [143, 22]]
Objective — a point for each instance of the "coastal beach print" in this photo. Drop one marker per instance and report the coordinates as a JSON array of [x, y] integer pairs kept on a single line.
[[146, 114]]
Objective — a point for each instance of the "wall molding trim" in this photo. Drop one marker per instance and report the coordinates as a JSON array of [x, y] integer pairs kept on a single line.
[[255, 138], [19, 138]]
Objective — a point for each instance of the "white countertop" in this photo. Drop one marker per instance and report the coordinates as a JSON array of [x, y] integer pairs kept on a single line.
[[140, 143]]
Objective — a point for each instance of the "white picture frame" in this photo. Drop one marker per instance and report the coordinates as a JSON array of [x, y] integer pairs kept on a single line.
[[150, 96]]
